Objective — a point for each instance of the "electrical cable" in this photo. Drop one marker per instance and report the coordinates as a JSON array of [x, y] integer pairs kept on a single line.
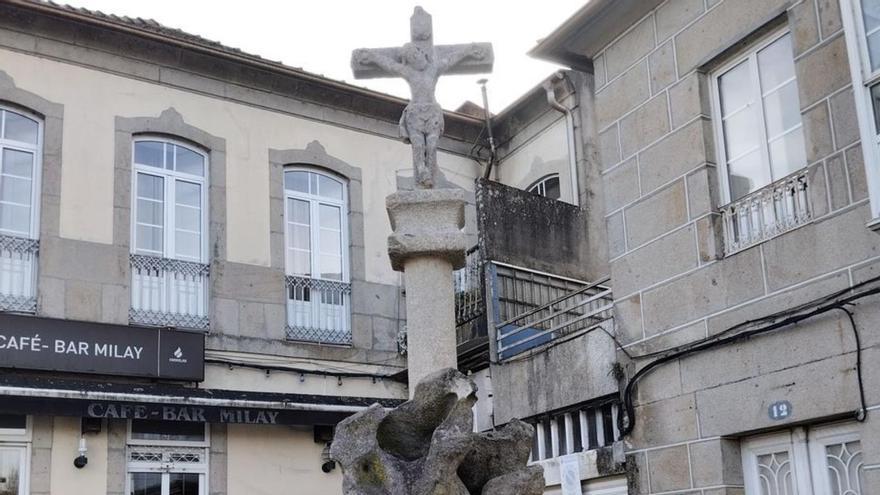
[[303, 371], [626, 423]]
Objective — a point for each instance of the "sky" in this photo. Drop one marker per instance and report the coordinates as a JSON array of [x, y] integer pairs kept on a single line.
[[319, 35]]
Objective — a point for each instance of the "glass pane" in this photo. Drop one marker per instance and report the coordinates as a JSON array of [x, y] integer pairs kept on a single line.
[[13, 421], [741, 133], [329, 188], [182, 431], [871, 14], [10, 471], [844, 463], [300, 237], [149, 238], [296, 180], [746, 174], [551, 188], [775, 474], [150, 212], [19, 163], [20, 128], [184, 484], [298, 211], [15, 190], [874, 50], [187, 245], [146, 483], [331, 217], [788, 154], [875, 101], [188, 218], [188, 161], [331, 242], [776, 63], [331, 267], [735, 88], [149, 153], [299, 263], [782, 110], [188, 193], [15, 219], [150, 186]]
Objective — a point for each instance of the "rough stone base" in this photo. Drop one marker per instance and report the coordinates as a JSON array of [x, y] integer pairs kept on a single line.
[[427, 447]]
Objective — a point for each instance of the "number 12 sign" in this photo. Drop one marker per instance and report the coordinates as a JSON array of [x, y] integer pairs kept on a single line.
[[779, 410]]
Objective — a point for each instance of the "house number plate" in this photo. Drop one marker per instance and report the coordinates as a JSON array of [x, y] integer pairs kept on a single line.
[[779, 410]]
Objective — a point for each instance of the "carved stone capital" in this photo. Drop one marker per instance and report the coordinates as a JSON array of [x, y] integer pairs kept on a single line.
[[427, 222]]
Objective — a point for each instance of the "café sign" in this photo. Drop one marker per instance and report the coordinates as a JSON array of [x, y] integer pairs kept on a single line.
[[28, 342]]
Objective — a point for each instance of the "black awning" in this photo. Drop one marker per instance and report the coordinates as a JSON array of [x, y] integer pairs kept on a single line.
[[21, 394]]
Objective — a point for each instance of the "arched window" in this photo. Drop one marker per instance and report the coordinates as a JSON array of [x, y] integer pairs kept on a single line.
[[20, 164], [169, 245], [547, 186], [316, 256]]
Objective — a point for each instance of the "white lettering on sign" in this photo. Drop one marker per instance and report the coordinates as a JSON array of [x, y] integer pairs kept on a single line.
[[779, 410], [122, 411], [253, 417], [33, 344], [117, 351]]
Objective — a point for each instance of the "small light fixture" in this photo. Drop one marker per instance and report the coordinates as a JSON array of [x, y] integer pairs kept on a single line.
[[81, 461]]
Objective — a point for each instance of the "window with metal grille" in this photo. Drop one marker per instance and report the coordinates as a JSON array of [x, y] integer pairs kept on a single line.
[[169, 247], [20, 165], [316, 256]]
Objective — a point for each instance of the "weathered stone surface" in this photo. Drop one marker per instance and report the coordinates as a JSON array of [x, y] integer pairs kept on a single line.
[[427, 447], [421, 63], [427, 223]]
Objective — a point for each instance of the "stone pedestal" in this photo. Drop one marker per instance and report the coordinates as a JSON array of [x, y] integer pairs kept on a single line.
[[427, 245]]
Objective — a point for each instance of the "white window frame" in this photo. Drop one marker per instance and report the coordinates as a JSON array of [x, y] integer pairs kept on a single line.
[[539, 186], [314, 230], [202, 469], [751, 57], [38, 165], [806, 447], [20, 439], [863, 78], [169, 181]]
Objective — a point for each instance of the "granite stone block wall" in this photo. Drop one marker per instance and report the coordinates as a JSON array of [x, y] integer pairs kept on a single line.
[[673, 283]]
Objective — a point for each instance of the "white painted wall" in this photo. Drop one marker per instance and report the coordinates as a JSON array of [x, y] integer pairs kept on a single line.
[[546, 153], [65, 478], [92, 99], [271, 460]]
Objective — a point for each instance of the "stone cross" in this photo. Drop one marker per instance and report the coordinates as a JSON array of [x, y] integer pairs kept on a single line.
[[421, 63]]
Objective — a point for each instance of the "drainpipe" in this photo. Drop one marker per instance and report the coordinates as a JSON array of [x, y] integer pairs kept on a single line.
[[569, 134]]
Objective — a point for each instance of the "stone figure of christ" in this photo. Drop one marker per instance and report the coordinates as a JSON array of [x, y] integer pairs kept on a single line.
[[421, 64]]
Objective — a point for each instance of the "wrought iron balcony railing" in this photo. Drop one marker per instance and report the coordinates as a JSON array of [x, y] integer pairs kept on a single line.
[[772, 210], [169, 292], [469, 297], [318, 310], [18, 266], [542, 308]]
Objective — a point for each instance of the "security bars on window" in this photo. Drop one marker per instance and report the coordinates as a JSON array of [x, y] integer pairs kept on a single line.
[[318, 310], [777, 208], [579, 429], [169, 292], [18, 261]]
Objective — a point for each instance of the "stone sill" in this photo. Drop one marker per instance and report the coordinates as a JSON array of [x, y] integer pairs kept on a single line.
[[592, 464], [874, 225]]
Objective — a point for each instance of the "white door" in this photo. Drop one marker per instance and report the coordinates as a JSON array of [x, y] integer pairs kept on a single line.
[[12, 470], [815, 461]]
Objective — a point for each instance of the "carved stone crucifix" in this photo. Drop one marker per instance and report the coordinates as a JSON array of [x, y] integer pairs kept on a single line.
[[421, 63]]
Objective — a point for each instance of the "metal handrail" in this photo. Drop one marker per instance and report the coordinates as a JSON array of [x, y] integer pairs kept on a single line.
[[535, 323], [555, 301]]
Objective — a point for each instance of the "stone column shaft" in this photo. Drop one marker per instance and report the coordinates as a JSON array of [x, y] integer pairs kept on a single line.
[[430, 330]]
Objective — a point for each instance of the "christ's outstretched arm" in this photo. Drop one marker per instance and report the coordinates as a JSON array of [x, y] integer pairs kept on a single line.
[[369, 57], [452, 58]]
